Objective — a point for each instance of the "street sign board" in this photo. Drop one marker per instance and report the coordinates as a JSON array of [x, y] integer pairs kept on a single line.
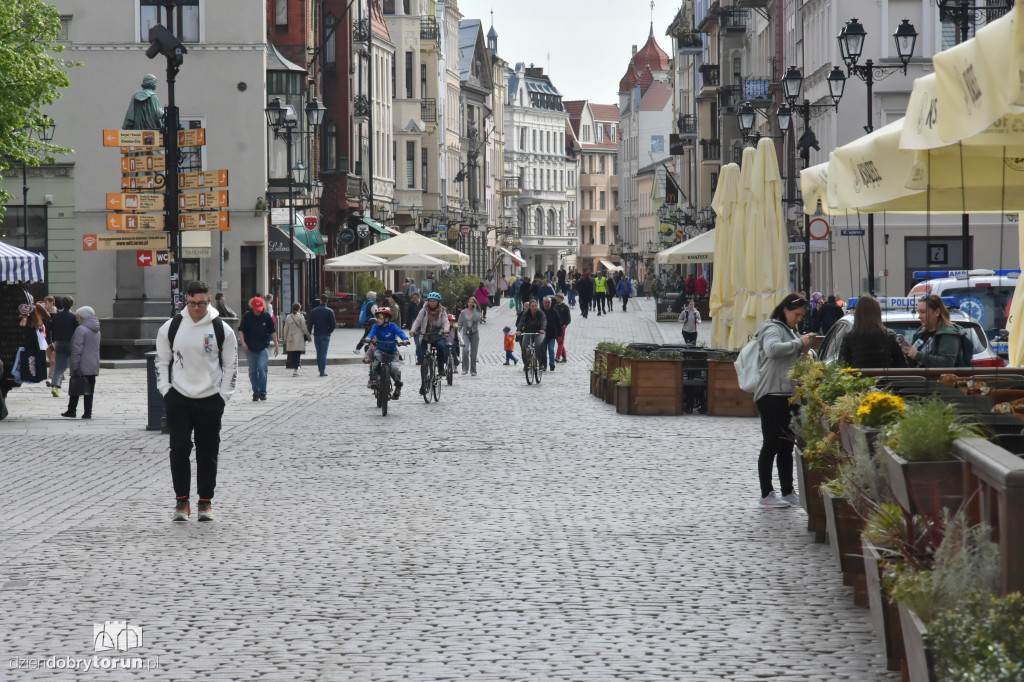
[[125, 242], [192, 138], [200, 201], [131, 222], [214, 178], [143, 182], [310, 222], [465, 230], [144, 258], [162, 257], [143, 163], [800, 247], [204, 220], [346, 236], [140, 150], [134, 138], [851, 233], [135, 202], [196, 251]]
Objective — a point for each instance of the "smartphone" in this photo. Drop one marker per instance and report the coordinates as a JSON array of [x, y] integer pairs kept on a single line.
[[903, 341]]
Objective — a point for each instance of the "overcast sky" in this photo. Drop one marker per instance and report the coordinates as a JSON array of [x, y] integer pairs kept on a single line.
[[589, 41]]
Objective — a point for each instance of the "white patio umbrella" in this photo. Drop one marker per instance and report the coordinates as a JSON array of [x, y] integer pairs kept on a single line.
[[412, 242], [700, 249], [356, 261], [18, 265], [416, 261]]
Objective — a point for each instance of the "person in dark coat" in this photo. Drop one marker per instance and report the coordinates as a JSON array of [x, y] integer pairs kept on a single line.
[[85, 361], [870, 345], [565, 315], [63, 328], [585, 289], [412, 309], [554, 330], [830, 314]]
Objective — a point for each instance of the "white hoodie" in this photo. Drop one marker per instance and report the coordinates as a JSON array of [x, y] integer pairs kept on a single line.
[[196, 368]]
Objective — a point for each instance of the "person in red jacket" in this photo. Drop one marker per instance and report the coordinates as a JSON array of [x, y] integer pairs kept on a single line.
[[700, 287]]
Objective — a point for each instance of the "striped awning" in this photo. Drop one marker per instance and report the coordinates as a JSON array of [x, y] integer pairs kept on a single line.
[[17, 265]]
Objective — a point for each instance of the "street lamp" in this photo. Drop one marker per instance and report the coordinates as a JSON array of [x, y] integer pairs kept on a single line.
[[45, 133], [851, 46]]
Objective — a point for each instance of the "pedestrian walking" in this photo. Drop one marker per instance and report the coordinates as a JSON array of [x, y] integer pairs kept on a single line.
[[690, 319], [553, 329], [367, 318], [269, 304], [469, 322], [454, 341], [413, 309], [196, 370], [600, 292], [565, 315], [510, 346], [221, 305], [321, 324], [295, 337], [515, 291], [779, 349], [585, 288], [483, 297], [391, 301], [611, 284], [50, 306], [84, 361], [257, 331], [624, 289], [502, 289], [62, 328], [492, 290]]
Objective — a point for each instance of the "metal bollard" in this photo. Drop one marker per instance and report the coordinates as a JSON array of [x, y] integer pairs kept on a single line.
[[154, 401]]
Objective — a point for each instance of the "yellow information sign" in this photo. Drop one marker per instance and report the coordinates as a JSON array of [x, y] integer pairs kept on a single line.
[[135, 202], [130, 222], [126, 242], [133, 138], [143, 182], [215, 178], [139, 150], [205, 220], [200, 201], [143, 164], [192, 138]]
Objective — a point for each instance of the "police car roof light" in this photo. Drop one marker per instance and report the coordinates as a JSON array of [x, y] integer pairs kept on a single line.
[[962, 274], [904, 302]]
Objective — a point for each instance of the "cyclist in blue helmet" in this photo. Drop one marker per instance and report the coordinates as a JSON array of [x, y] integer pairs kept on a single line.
[[431, 326]]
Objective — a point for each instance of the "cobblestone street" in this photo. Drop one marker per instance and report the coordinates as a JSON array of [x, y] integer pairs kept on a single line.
[[509, 532]]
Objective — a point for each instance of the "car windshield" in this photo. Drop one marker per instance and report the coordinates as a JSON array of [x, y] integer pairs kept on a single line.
[[988, 306], [904, 327]]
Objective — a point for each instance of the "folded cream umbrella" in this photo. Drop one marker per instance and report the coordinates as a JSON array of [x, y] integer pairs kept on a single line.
[[767, 262], [979, 81], [700, 249], [740, 244], [1015, 321], [412, 242], [723, 203]]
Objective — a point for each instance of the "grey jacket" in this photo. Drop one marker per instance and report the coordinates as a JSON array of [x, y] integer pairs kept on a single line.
[[780, 348], [85, 348], [469, 321]]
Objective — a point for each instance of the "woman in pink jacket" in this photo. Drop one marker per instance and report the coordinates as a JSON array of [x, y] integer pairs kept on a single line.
[[483, 297]]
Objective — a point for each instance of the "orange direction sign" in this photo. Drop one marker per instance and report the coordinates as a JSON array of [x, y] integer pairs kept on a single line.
[[127, 242], [142, 164], [130, 222], [192, 138], [143, 182], [205, 220], [138, 150], [135, 202], [215, 178], [133, 138], [199, 201]]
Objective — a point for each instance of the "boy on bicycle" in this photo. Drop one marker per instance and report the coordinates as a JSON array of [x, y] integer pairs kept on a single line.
[[385, 335], [433, 326]]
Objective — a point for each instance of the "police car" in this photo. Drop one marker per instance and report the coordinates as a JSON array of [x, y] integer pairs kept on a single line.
[[982, 295], [900, 315]]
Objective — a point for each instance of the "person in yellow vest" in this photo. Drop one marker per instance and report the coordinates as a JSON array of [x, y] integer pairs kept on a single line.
[[600, 291]]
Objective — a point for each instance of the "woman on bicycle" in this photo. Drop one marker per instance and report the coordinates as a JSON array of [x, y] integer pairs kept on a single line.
[[534, 321], [385, 335], [432, 323], [469, 323]]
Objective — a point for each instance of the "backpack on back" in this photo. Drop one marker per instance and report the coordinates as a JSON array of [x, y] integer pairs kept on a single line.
[[172, 331], [748, 365], [966, 353], [364, 312]]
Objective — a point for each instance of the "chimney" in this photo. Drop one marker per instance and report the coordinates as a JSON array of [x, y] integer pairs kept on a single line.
[[634, 50]]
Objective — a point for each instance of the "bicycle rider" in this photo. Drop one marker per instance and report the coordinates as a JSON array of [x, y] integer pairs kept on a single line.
[[432, 326], [385, 335], [533, 321]]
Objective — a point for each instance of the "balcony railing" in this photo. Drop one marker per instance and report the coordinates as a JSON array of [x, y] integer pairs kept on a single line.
[[428, 28], [689, 42], [428, 110], [361, 31], [729, 98], [733, 19], [709, 75], [687, 125], [756, 88], [710, 150]]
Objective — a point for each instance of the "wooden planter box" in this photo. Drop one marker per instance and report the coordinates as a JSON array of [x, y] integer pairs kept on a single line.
[[595, 384], [885, 616], [925, 487], [844, 528], [725, 397], [918, 661], [623, 399], [858, 436], [810, 497], [608, 390], [656, 387]]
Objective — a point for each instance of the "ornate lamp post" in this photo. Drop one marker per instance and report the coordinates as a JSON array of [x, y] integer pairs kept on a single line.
[[45, 134]]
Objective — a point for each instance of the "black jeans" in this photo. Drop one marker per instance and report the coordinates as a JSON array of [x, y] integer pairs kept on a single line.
[[625, 301], [600, 301], [584, 305], [87, 402], [690, 337], [186, 416], [776, 414]]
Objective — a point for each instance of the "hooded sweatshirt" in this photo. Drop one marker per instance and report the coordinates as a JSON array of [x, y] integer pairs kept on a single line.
[[197, 370], [85, 348]]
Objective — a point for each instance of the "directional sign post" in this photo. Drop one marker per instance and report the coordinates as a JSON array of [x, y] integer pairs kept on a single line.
[[143, 182], [204, 220], [135, 202], [133, 138], [143, 163], [130, 222], [195, 137], [128, 242], [201, 201], [143, 258], [197, 180]]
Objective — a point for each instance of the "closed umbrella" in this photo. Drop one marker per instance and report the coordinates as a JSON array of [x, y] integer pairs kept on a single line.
[[1015, 322], [768, 260], [722, 293], [740, 244]]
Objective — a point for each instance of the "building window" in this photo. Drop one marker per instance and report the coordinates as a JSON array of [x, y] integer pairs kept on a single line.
[[600, 164], [186, 19], [394, 79], [281, 12], [534, 140], [600, 133], [600, 196], [408, 75], [586, 133], [424, 157], [410, 164], [330, 56], [423, 80], [603, 237], [657, 144]]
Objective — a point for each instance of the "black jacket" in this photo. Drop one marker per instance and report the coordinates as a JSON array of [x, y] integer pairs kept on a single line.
[[876, 349], [554, 324], [532, 323], [829, 315], [564, 314], [322, 321], [63, 326], [585, 287]]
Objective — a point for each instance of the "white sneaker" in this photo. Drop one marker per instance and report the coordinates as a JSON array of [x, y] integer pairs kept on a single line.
[[792, 498], [771, 500]]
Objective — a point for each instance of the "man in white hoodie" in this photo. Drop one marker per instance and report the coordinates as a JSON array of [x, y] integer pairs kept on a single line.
[[196, 370]]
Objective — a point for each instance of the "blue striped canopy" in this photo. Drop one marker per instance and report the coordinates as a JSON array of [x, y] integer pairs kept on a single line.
[[17, 265]]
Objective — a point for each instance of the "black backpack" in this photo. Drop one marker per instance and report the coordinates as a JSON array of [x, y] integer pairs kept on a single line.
[[966, 353], [218, 331]]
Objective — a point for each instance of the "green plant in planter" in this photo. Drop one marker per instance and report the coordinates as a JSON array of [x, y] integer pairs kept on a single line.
[[907, 540], [600, 364], [879, 409], [844, 408], [823, 454], [926, 431], [623, 376], [965, 563], [725, 355], [982, 640], [862, 480], [636, 354], [611, 347]]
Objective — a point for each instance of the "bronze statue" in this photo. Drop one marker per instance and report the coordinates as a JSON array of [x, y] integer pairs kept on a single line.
[[144, 111]]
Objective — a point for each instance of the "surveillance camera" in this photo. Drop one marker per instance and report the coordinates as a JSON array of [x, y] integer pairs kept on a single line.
[[163, 42]]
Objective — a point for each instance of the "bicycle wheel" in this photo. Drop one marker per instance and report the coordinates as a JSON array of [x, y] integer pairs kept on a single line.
[[384, 390], [537, 373], [449, 372], [428, 376], [436, 388], [527, 363]]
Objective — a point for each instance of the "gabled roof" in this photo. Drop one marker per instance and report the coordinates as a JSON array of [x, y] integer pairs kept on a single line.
[[377, 23], [629, 81], [575, 109], [470, 39], [605, 112], [658, 95], [646, 78]]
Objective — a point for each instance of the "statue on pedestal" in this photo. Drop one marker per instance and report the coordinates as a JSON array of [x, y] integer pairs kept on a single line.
[[144, 111]]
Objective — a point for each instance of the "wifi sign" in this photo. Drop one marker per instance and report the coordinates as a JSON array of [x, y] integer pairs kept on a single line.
[[89, 242]]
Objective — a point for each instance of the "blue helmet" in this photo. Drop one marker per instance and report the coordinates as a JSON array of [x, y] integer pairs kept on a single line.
[[433, 296]]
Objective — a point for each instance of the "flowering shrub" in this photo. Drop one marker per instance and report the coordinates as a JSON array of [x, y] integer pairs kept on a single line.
[[878, 409]]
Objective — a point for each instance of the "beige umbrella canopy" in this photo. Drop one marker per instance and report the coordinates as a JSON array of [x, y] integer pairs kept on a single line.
[[767, 253], [412, 242], [740, 242], [722, 294], [356, 261], [700, 249], [416, 261]]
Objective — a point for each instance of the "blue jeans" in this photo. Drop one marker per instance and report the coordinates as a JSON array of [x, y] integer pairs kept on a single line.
[[572, 298], [442, 357], [551, 344], [321, 342], [62, 358], [258, 370]]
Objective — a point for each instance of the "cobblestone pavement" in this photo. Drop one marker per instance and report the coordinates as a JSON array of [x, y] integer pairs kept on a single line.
[[509, 532]]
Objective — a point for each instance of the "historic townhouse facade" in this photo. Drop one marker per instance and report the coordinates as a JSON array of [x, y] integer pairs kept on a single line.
[[596, 128]]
